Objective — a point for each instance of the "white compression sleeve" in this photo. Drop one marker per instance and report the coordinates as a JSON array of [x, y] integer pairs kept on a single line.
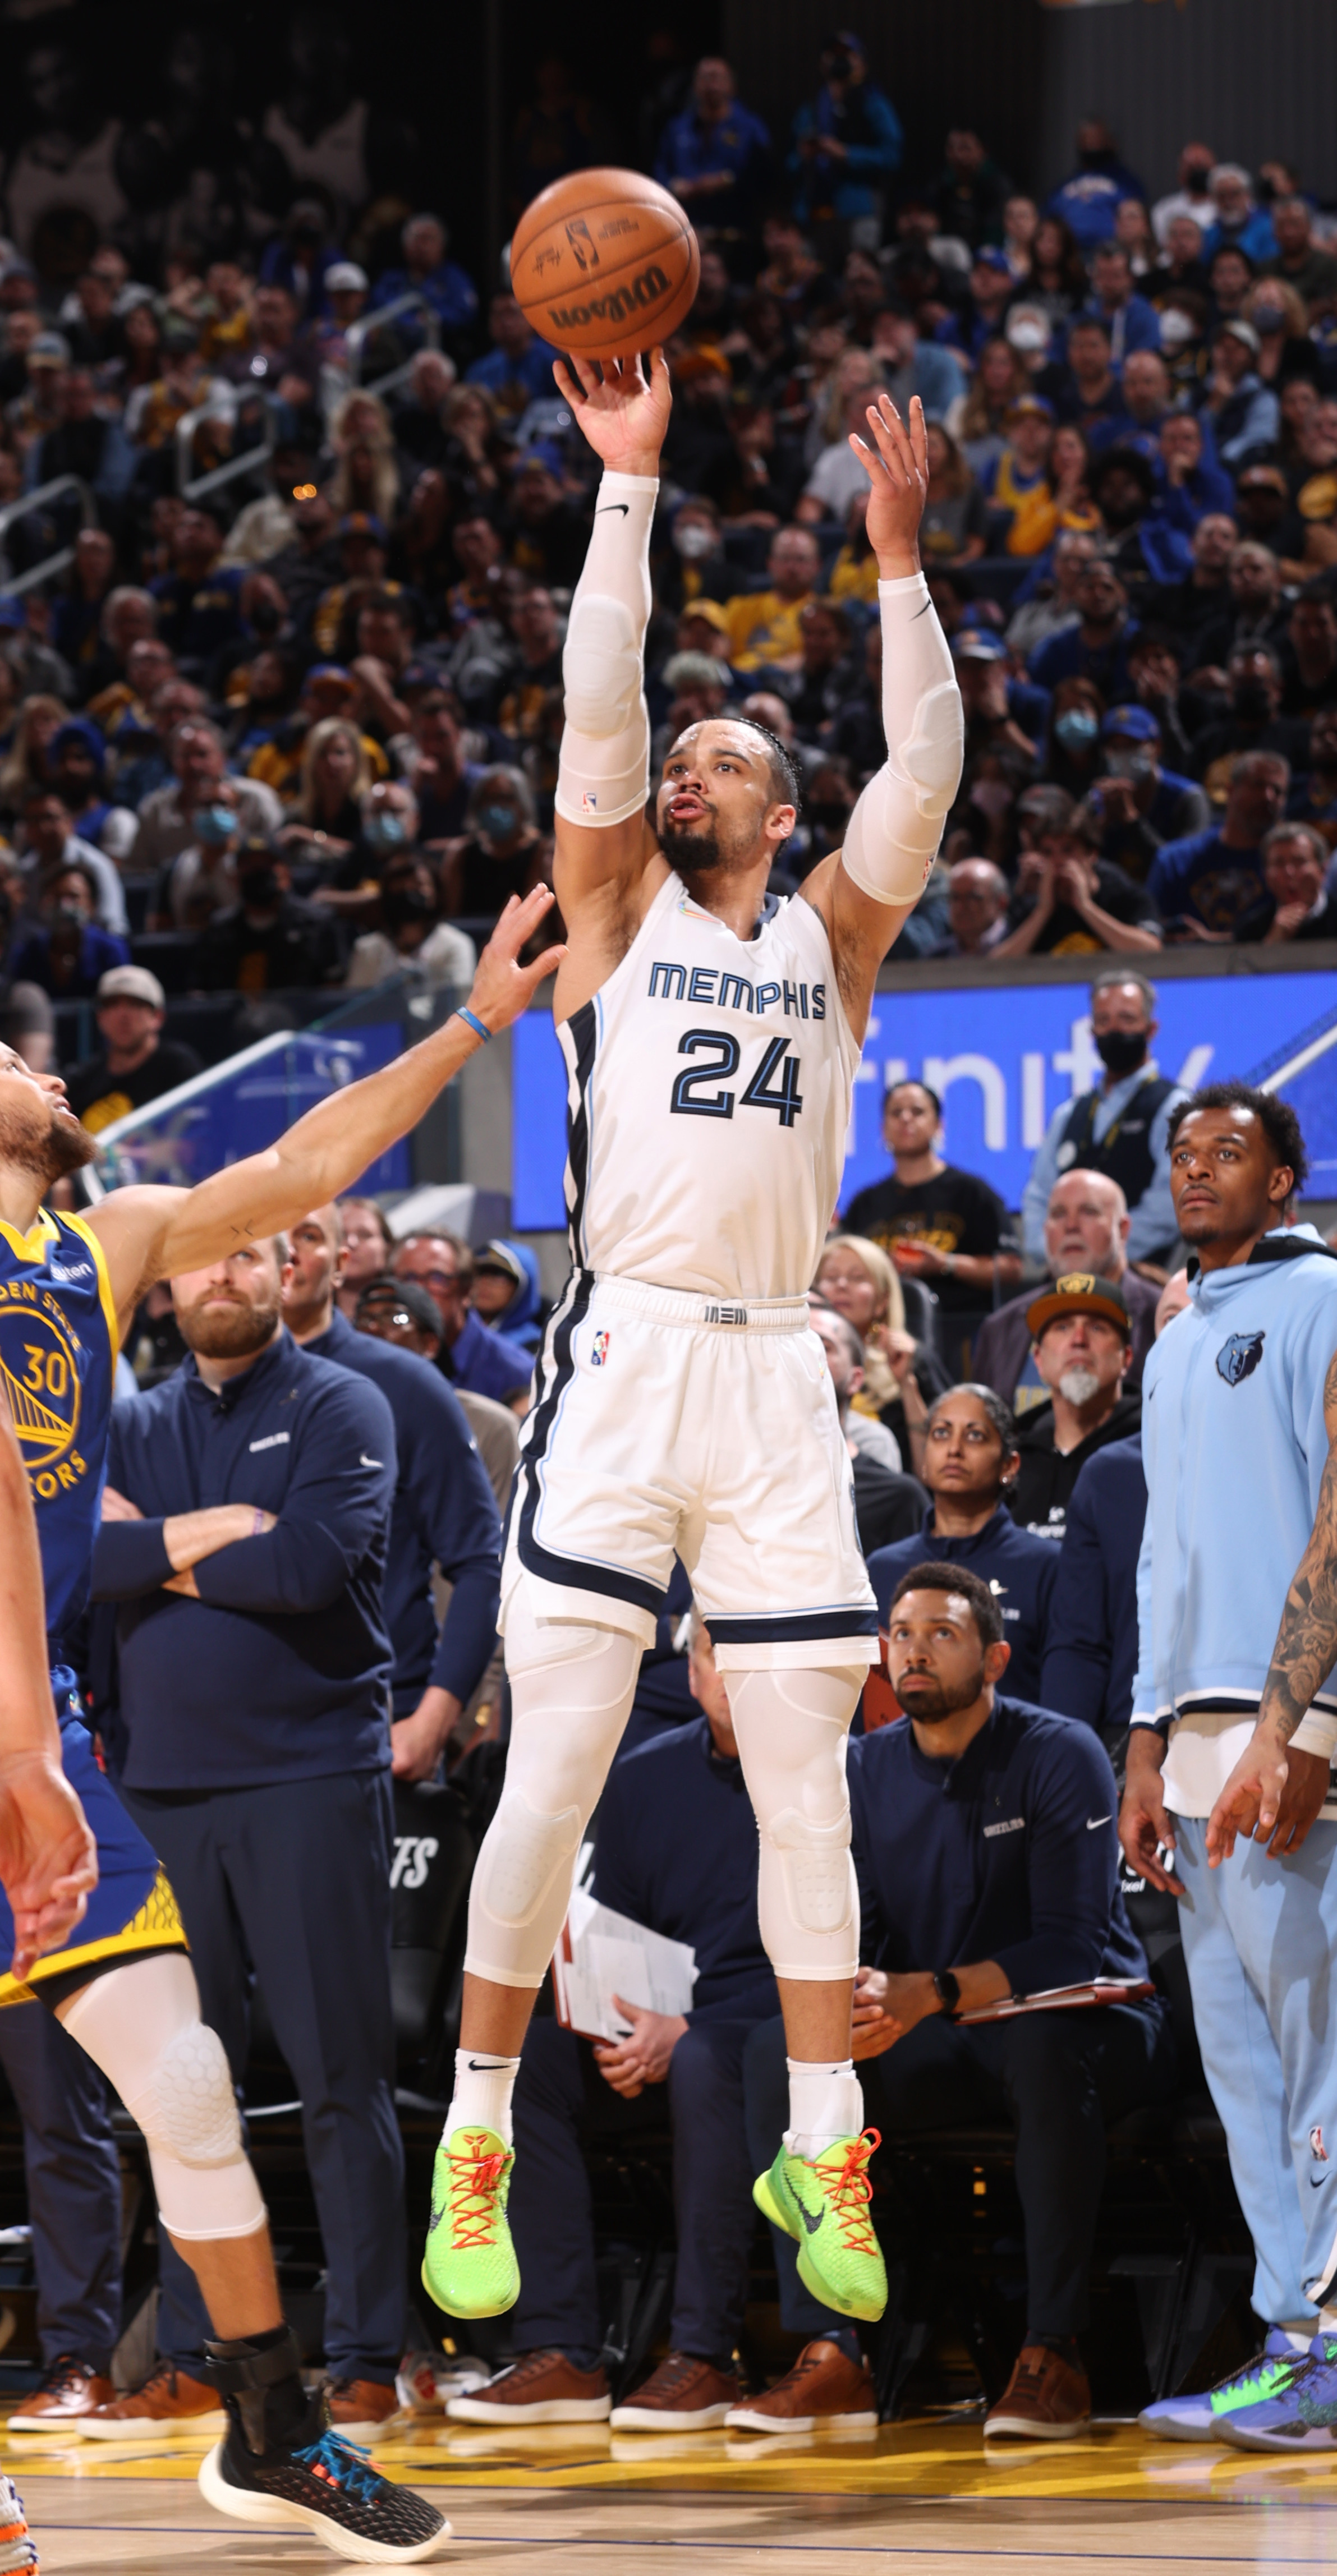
[[604, 772], [896, 826]]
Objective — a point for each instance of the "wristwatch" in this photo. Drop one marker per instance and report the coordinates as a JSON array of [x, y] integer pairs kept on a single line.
[[947, 1988]]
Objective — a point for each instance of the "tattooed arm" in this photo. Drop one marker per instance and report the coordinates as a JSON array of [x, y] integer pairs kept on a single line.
[[1276, 1790]]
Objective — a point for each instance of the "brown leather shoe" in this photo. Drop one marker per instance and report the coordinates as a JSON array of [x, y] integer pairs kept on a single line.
[[1045, 2399], [684, 2395], [540, 2388], [168, 2403], [823, 2387], [68, 2391], [360, 2408]]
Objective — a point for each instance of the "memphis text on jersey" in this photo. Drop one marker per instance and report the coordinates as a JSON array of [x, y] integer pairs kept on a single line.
[[673, 982], [43, 1363]]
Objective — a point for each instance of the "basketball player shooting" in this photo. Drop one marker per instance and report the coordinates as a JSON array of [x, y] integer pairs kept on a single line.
[[711, 1036], [95, 1933]]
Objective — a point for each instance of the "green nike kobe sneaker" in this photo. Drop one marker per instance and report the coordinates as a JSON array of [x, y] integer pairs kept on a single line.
[[469, 2266], [823, 2205]]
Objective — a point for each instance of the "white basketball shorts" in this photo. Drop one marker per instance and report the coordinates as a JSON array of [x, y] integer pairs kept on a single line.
[[668, 1423]]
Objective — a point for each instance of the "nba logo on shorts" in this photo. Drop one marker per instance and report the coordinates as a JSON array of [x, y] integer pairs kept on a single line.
[[589, 802], [600, 1351]]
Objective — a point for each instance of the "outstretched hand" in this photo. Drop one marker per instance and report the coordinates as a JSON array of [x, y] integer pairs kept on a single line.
[[618, 409], [896, 464], [502, 987], [48, 1858], [1273, 1796]]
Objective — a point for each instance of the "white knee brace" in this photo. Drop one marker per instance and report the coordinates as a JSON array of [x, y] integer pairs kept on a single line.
[[893, 834], [572, 1687], [792, 1730], [141, 2024]]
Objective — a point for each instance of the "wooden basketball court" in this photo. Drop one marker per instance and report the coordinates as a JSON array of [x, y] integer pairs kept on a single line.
[[922, 2496]]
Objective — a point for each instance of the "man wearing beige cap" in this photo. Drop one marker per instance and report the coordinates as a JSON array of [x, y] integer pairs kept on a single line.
[[1081, 1339], [133, 1065]]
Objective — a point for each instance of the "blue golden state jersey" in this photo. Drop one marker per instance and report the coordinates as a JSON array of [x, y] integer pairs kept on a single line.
[[58, 1347]]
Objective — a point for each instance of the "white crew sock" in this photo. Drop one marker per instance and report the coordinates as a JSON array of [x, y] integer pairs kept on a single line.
[[482, 2095], [825, 2103], [1326, 2321], [1300, 2334]]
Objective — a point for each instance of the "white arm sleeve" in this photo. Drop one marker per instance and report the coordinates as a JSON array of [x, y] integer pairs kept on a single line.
[[604, 772], [894, 831]]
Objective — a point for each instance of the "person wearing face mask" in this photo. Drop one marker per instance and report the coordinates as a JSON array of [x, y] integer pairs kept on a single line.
[[503, 854], [269, 941], [411, 941], [1120, 1128], [202, 879], [1193, 196], [1141, 804], [1073, 755]]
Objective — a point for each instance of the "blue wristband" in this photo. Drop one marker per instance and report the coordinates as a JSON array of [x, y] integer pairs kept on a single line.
[[471, 1021]]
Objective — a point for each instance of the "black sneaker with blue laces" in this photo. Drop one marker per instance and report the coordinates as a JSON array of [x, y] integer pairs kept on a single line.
[[280, 2463]]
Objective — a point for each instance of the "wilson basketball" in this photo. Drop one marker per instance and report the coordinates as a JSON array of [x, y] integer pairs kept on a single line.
[[604, 263]]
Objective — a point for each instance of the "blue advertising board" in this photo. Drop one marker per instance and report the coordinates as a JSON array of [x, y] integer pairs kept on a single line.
[[1002, 1058], [247, 1103]]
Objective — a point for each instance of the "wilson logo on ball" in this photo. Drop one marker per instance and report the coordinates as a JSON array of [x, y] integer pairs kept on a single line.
[[616, 306]]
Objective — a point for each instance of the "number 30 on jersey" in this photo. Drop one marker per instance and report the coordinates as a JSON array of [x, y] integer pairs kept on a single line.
[[693, 1097]]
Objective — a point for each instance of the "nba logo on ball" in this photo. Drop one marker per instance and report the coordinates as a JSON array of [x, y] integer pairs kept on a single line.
[[600, 1351]]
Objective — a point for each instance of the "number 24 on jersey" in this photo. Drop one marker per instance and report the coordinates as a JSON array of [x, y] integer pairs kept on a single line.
[[693, 1098]]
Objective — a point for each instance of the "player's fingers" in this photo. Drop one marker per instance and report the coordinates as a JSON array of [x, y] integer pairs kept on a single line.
[[919, 435], [872, 463], [894, 428], [566, 384], [886, 444], [587, 373], [659, 367]]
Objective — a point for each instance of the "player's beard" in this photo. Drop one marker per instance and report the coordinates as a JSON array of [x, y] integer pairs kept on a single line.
[[219, 1331], [935, 1699], [47, 1153], [693, 852]]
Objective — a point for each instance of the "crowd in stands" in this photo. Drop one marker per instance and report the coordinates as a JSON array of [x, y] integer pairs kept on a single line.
[[297, 728]]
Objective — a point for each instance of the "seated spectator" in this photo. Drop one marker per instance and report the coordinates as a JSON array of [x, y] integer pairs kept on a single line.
[[980, 425], [973, 197], [1071, 900], [67, 955], [532, 666], [1016, 480], [1308, 268], [1096, 648], [1193, 196], [1089, 201], [411, 941], [977, 901], [270, 940], [507, 1293], [502, 853], [715, 154], [765, 627], [518, 368], [1140, 805], [1090, 395], [1010, 1913], [77, 763], [133, 1065], [1081, 1338], [1131, 322], [1239, 224], [901, 1375], [1251, 721], [1209, 881], [1086, 1228], [427, 271], [547, 534], [1297, 904], [1190, 482], [363, 547], [887, 1504], [168, 817], [1285, 350], [368, 1244], [1058, 281], [1049, 594], [418, 415], [952, 530], [202, 879], [34, 727], [1243, 410], [49, 846], [911, 365], [472, 1356], [199, 601], [938, 1224], [1192, 607], [1309, 655], [1091, 1656], [334, 777], [400, 1311], [1313, 798], [971, 1459], [441, 777], [676, 1852], [1094, 1132]]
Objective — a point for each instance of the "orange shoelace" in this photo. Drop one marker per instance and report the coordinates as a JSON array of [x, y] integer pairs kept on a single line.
[[473, 2198], [850, 2191]]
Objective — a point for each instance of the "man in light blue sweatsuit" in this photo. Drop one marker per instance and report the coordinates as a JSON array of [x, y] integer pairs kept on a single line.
[[1239, 1442]]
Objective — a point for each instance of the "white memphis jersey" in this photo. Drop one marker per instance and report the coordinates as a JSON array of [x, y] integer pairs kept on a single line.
[[709, 1085]]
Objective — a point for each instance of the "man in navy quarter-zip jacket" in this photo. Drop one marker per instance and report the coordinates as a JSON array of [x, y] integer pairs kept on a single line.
[[252, 1743], [444, 1511]]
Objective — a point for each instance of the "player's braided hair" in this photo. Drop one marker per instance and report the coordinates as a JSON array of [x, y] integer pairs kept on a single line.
[[785, 779]]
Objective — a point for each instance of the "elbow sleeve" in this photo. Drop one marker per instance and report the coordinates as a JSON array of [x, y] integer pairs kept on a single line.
[[604, 770], [896, 826]]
